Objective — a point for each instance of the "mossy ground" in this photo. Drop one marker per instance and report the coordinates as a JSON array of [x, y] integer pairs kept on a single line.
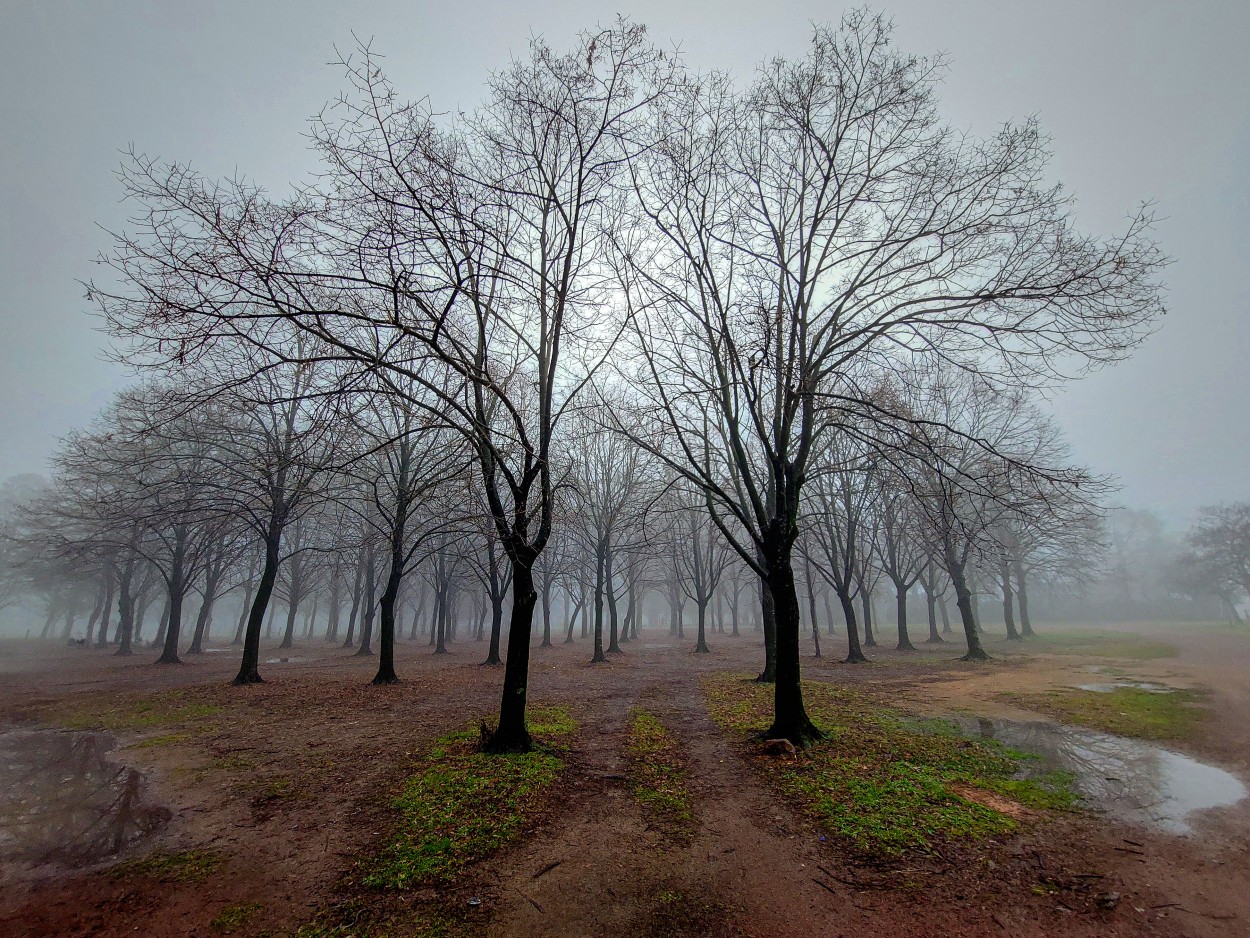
[[464, 804], [188, 866], [234, 917], [886, 784], [657, 775], [166, 709], [1101, 645], [1125, 711]]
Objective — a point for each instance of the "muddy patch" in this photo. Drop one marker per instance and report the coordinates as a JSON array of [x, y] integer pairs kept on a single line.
[[66, 802], [1127, 779]]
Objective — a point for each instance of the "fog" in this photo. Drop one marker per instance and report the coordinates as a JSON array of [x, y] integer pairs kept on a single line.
[[1143, 100], [524, 469]]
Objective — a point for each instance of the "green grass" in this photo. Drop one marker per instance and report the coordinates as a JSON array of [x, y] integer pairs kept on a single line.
[[465, 804], [350, 921], [1125, 711], [188, 866], [147, 713], [887, 784], [657, 777], [234, 917], [1101, 645]]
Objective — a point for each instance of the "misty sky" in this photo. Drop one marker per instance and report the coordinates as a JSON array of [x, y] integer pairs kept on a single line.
[[1145, 100]]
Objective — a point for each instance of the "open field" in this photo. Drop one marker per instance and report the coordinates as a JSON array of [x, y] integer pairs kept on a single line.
[[310, 805]]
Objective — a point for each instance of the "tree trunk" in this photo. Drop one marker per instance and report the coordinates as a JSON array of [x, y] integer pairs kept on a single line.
[[865, 601], [496, 626], [173, 624], [249, 672], [1009, 618], [609, 581], [369, 607], [247, 605], [900, 600], [854, 654], [701, 646], [598, 657], [1022, 598], [546, 642], [511, 734], [931, 607], [768, 620], [386, 636], [963, 599], [125, 614], [811, 605], [790, 719]]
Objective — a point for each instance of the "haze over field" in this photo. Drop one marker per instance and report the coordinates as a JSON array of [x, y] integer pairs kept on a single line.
[[1144, 101]]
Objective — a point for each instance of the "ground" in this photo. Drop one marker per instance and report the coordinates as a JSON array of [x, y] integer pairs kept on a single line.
[[278, 795]]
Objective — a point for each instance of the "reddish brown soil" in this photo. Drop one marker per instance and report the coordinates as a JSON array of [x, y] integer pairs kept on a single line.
[[291, 781]]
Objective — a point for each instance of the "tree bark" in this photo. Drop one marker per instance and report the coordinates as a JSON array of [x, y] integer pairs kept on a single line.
[[511, 734], [249, 672], [900, 600]]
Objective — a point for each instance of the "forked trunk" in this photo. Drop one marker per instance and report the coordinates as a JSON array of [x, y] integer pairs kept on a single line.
[[511, 734]]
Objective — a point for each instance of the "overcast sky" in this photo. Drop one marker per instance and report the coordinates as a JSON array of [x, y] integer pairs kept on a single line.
[[1144, 99]]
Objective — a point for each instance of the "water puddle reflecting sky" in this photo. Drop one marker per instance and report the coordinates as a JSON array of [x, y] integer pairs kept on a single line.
[[1127, 779], [65, 801]]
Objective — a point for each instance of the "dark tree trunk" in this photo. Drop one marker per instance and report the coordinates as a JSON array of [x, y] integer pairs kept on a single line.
[[354, 613], [511, 734], [931, 607], [247, 605], [440, 629], [1022, 598], [103, 635], [496, 627], [386, 636], [125, 614], [369, 608], [900, 599], [288, 632], [790, 719], [173, 624], [249, 672], [598, 657], [865, 601], [1009, 618], [854, 654], [546, 642], [768, 620], [963, 599], [609, 583], [811, 605], [701, 646]]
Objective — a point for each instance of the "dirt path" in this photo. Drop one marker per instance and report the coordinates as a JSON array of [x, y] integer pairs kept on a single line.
[[290, 781]]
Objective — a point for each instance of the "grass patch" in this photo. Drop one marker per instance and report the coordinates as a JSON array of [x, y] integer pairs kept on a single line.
[[147, 713], [1125, 711], [234, 917], [657, 777], [887, 784], [351, 920], [187, 866], [1102, 645], [465, 804]]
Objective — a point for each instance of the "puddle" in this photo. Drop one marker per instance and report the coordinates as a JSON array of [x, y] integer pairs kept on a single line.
[[64, 801], [1110, 687], [285, 660], [1127, 779], [656, 645]]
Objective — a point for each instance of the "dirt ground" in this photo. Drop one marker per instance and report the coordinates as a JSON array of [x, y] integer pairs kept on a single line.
[[290, 782]]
